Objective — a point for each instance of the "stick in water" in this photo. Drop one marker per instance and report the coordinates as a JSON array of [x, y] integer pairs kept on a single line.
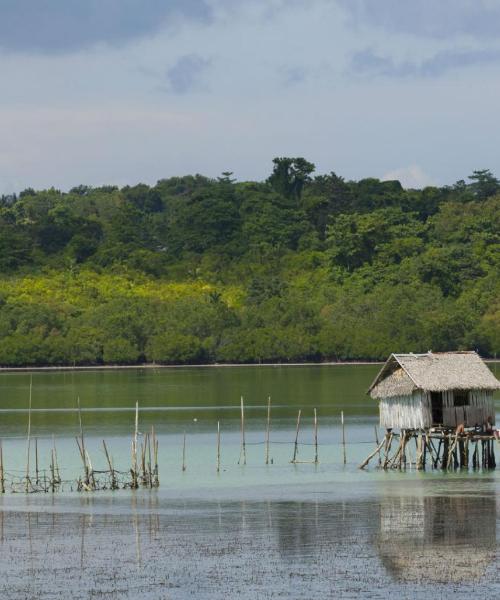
[[268, 428], [315, 437], [296, 445], [29, 438], [184, 453], [218, 446], [343, 436], [243, 449]]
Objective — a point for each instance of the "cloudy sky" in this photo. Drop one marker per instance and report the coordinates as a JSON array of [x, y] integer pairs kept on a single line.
[[123, 91]]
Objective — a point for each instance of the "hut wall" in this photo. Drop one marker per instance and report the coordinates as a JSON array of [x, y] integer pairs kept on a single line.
[[479, 408], [406, 412]]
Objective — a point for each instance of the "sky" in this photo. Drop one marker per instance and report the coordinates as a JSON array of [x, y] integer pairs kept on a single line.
[[126, 91]]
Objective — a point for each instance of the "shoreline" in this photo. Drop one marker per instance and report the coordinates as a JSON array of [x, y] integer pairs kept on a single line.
[[191, 366], [150, 366]]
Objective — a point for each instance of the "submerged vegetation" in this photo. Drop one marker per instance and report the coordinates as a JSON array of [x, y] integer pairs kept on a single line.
[[299, 267]]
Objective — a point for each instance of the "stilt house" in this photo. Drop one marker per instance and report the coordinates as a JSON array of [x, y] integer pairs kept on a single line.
[[419, 391]]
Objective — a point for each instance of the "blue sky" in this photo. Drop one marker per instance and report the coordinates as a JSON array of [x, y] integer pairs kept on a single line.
[[123, 91]]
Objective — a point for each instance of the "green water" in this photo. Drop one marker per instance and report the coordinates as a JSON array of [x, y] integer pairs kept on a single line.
[[252, 531], [171, 398]]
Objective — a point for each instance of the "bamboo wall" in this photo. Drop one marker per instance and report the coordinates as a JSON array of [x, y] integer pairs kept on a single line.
[[477, 413], [406, 412], [414, 412]]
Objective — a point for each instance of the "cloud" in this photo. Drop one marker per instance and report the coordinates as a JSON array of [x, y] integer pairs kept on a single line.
[[412, 177], [59, 26], [367, 62], [187, 74], [429, 18]]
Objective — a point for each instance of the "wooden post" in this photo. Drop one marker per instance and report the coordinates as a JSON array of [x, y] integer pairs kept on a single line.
[[52, 471], [243, 449], [135, 482], [2, 476], [268, 428], [184, 453], [343, 436], [150, 473], [370, 456], [28, 448], [37, 481], [378, 444], [218, 447], [296, 445], [420, 452], [315, 437], [387, 448]]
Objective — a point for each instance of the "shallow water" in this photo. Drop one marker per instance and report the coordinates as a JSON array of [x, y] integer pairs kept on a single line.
[[253, 531]]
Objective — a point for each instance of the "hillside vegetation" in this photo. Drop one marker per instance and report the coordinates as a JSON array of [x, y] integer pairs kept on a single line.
[[299, 267]]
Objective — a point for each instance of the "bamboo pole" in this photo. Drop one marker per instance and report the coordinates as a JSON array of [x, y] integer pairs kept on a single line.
[[2, 475], [218, 447], [184, 453], [387, 448], [82, 448], [343, 437], [296, 444], [377, 443], [135, 483], [28, 448], [114, 484], [37, 481], [243, 449], [150, 474], [268, 428], [315, 437], [155, 454], [52, 471], [370, 456], [56, 463]]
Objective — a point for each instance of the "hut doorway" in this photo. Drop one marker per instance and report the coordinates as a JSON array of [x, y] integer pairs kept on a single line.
[[437, 407]]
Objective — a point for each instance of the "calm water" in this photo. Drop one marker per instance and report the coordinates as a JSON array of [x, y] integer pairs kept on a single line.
[[254, 531]]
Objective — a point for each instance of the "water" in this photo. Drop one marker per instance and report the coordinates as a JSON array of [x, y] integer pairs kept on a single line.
[[254, 531]]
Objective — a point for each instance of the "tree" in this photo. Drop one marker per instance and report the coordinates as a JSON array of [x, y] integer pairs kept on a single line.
[[290, 175], [485, 184]]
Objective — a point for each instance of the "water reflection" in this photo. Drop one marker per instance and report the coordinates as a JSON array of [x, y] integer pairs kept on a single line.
[[438, 538], [143, 545]]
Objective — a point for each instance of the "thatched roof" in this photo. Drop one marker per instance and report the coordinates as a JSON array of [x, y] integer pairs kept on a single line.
[[432, 372]]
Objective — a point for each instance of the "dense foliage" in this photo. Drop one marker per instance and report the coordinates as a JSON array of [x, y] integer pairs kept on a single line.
[[294, 268]]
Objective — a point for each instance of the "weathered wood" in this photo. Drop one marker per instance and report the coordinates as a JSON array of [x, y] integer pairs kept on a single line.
[[370, 456]]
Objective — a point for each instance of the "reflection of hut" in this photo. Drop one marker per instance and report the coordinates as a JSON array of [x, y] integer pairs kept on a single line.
[[437, 538], [418, 391]]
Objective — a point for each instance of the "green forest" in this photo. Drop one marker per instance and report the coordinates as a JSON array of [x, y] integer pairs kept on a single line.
[[299, 267]]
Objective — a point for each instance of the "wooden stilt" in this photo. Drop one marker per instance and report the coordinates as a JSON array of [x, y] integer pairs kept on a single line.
[[370, 456], [377, 443]]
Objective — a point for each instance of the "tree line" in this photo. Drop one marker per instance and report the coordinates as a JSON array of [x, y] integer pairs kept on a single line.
[[200, 270]]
